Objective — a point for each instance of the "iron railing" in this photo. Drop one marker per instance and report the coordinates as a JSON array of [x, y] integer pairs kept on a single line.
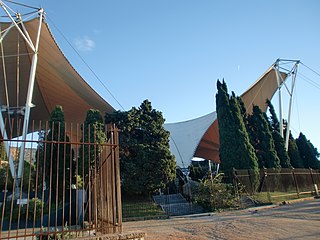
[[69, 186]]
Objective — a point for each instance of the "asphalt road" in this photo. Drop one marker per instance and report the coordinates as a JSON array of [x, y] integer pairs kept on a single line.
[[293, 220]]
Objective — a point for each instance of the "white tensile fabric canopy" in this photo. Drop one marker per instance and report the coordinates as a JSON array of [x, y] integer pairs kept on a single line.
[[199, 137], [56, 81]]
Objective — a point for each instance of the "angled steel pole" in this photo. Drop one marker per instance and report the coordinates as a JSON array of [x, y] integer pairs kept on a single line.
[[30, 44], [276, 67], [294, 75], [29, 96], [34, 48], [7, 145], [2, 124]]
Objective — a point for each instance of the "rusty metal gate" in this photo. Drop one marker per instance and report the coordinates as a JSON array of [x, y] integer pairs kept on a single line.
[[69, 186]]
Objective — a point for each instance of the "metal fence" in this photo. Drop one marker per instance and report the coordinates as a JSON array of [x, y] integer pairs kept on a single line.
[[69, 185], [285, 183], [271, 186]]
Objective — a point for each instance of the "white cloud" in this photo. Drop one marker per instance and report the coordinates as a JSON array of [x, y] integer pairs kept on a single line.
[[84, 44]]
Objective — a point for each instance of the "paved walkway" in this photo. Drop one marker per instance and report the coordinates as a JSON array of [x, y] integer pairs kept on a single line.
[[293, 220]]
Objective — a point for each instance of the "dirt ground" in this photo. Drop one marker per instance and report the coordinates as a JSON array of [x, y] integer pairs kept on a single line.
[[293, 220]]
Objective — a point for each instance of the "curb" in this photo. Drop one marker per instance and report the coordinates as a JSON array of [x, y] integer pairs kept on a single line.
[[251, 209]]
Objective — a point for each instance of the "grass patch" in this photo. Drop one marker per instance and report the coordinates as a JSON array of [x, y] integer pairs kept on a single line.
[[275, 197], [141, 207]]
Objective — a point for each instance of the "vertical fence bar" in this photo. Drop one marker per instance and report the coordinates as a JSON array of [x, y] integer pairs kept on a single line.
[[314, 185], [70, 180], [13, 188], [233, 177], [36, 180], [89, 203], [49, 170], [29, 183], [82, 154], [117, 158], [84, 180], [50, 174], [63, 180], [102, 191], [267, 185], [95, 196], [57, 178], [113, 182], [317, 178], [43, 175], [5, 196], [105, 168], [77, 173], [21, 179], [295, 182]]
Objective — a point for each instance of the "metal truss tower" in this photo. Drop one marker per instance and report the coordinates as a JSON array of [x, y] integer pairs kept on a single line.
[[290, 67]]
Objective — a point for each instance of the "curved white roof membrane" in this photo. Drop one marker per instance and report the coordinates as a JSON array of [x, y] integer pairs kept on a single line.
[[186, 136], [200, 137], [56, 81]]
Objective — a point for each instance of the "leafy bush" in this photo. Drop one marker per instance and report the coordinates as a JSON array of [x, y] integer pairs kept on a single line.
[[28, 176], [20, 211], [51, 233], [198, 172], [35, 205], [213, 194]]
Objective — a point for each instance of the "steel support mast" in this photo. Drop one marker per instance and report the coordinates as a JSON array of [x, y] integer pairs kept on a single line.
[[281, 65], [18, 24]]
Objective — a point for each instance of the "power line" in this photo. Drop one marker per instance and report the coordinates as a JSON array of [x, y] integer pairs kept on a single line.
[[315, 72], [310, 81], [87, 65], [21, 4]]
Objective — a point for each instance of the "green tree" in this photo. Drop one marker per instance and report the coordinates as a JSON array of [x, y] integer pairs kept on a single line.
[[145, 158], [28, 175], [243, 110], [273, 117], [236, 150], [198, 170], [261, 139], [294, 154], [308, 153], [278, 140], [55, 156], [93, 136], [281, 150]]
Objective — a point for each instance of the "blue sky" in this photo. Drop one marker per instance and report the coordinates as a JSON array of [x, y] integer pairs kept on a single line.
[[173, 51]]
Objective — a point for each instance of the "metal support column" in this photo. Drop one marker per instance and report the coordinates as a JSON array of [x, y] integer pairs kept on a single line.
[[276, 67], [18, 25], [7, 145], [294, 74], [29, 97]]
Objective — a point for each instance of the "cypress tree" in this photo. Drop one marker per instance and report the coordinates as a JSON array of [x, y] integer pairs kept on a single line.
[[274, 119], [56, 156], [235, 148], [261, 139], [94, 134], [281, 150], [278, 140], [294, 154], [308, 153], [226, 133]]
